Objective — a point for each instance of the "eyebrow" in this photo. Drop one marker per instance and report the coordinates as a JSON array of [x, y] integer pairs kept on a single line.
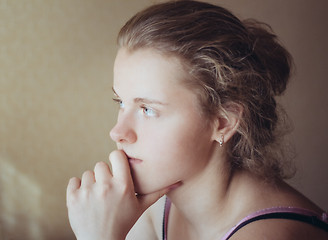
[[114, 92], [143, 100], [148, 101]]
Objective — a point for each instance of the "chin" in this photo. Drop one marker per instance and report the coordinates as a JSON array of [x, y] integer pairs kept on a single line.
[[141, 191], [144, 191]]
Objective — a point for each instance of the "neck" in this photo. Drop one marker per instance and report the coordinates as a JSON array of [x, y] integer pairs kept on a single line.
[[205, 199]]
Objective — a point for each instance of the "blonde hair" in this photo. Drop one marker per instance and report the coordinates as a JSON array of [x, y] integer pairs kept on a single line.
[[229, 62]]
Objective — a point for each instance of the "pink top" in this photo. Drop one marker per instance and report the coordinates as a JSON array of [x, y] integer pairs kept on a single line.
[[292, 213]]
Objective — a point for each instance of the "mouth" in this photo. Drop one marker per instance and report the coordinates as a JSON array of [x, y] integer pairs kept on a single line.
[[133, 160]]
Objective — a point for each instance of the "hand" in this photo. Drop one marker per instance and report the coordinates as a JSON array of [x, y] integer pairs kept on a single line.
[[103, 204]]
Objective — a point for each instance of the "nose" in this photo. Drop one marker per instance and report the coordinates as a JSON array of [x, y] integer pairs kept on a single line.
[[123, 131]]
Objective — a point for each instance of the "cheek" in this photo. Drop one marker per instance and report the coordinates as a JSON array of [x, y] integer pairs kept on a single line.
[[162, 143], [184, 144], [181, 136]]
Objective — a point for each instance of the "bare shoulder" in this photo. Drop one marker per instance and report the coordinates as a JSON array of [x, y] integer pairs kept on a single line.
[[282, 229], [263, 196], [149, 225]]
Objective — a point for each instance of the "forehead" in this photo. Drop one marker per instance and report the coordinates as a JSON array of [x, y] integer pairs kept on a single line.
[[147, 67], [146, 73], [147, 58]]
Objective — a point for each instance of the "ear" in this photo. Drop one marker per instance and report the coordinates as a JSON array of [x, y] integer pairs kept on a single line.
[[227, 122]]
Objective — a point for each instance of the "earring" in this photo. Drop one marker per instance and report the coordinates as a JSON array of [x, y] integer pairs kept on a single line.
[[221, 140]]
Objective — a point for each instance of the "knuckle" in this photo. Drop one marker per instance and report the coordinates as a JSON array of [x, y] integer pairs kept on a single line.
[[124, 188], [100, 165], [85, 193], [105, 190], [113, 187], [116, 154], [72, 182], [87, 174], [112, 154]]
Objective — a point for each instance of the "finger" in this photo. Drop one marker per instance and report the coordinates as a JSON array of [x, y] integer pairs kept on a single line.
[[73, 184], [102, 172], [88, 179], [120, 166], [149, 199]]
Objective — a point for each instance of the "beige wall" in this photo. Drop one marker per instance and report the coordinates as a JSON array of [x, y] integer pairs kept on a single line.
[[56, 61]]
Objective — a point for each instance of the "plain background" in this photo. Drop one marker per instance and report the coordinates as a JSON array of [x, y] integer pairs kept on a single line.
[[56, 111]]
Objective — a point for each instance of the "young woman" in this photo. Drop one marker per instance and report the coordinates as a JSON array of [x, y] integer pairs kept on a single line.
[[198, 123]]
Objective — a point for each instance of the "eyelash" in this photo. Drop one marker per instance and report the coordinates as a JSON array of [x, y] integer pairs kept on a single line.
[[118, 101], [144, 108]]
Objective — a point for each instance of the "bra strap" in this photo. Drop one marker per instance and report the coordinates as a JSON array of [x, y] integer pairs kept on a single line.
[[291, 213], [167, 208]]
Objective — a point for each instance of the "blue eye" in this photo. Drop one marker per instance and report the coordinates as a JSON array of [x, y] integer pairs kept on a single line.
[[119, 102], [148, 112]]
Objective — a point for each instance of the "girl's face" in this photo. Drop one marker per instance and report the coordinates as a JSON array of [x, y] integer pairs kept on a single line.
[[160, 126]]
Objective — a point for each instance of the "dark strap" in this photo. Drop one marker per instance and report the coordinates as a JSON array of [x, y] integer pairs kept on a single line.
[[167, 208], [290, 213]]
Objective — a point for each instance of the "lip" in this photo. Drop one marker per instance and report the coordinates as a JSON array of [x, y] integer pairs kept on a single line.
[[134, 161]]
